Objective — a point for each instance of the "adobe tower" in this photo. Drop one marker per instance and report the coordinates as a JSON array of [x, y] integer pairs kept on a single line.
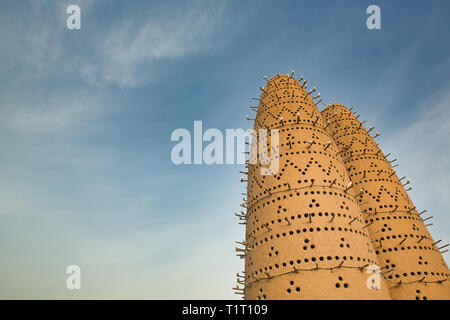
[[305, 234], [411, 260], [332, 212]]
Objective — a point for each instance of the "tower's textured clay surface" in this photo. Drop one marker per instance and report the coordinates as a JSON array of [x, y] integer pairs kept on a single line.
[[413, 265], [305, 236]]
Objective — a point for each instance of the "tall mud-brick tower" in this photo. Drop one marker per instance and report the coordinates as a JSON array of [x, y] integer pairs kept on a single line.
[[411, 261], [305, 236]]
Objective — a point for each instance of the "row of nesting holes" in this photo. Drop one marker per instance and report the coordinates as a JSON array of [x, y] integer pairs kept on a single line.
[[280, 209], [305, 247], [352, 152], [277, 124], [387, 206], [299, 216], [306, 193], [273, 117], [400, 236], [274, 188], [256, 209], [374, 180], [394, 217], [366, 171], [407, 248], [276, 95], [368, 157], [306, 260], [292, 232], [299, 127], [289, 98], [274, 103], [268, 109], [419, 273]]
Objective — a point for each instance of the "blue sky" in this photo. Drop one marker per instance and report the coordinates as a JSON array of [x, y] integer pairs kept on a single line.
[[86, 118]]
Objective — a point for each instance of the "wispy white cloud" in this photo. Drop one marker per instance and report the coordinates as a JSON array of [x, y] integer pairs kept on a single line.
[[128, 53], [423, 149], [118, 54], [52, 117], [131, 45]]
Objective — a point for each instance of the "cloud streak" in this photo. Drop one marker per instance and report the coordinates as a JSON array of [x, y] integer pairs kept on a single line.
[[131, 45], [423, 149]]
